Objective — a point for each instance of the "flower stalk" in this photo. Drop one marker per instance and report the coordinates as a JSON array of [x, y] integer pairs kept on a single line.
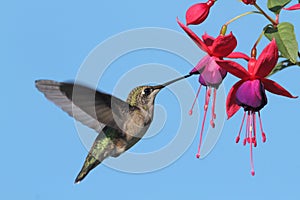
[[265, 14]]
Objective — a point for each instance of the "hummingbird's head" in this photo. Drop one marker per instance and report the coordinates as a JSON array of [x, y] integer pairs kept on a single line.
[[144, 96]]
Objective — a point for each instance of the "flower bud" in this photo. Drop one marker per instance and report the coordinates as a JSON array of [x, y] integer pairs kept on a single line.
[[294, 7], [197, 13], [252, 2]]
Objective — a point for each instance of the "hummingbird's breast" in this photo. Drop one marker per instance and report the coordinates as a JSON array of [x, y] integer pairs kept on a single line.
[[138, 124]]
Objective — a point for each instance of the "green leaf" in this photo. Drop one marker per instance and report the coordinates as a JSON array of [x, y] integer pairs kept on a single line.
[[276, 5], [285, 38]]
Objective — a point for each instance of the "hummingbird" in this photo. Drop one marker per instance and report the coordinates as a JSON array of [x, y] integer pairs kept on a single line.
[[119, 124]]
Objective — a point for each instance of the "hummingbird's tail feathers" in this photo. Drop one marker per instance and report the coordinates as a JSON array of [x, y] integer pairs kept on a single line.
[[90, 163], [102, 148]]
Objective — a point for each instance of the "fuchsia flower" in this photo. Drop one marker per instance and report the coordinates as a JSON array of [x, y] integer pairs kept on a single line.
[[197, 13], [249, 92], [211, 74], [249, 2]]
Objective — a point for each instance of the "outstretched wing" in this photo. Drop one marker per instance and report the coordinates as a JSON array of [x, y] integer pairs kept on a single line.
[[90, 107]]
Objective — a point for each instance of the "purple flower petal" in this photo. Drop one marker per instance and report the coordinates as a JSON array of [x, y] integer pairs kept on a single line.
[[201, 65], [251, 95], [212, 74]]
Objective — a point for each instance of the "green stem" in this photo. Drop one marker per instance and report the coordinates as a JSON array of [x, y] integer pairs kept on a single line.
[[256, 43], [242, 15], [285, 64], [265, 14]]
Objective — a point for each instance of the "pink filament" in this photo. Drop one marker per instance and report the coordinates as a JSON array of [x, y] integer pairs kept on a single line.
[[247, 129], [198, 92], [250, 127], [264, 138], [251, 148], [254, 129], [207, 97], [213, 114], [241, 127]]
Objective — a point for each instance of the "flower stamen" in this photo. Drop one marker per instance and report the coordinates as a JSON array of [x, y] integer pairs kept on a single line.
[[198, 92], [252, 139], [247, 138], [250, 128], [207, 97], [263, 135], [213, 114], [251, 154], [254, 129], [241, 127]]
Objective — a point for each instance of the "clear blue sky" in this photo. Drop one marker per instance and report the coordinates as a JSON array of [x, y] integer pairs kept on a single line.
[[41, 152]]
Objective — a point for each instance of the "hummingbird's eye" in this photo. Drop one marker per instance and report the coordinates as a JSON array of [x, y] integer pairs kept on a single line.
[[147, 91]]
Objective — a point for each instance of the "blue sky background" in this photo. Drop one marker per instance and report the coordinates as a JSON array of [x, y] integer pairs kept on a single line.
[[41, 152]]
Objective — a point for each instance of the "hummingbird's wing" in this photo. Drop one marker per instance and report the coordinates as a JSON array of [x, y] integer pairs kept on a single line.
[[92, 108]]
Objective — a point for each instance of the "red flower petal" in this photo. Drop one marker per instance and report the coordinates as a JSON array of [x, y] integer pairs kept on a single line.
[[233, 68], [238, 55], [194, 37], [275, 88], [251, 65], [223, 45], [267, 60], [208, 40], [231, 105], [294, 7]]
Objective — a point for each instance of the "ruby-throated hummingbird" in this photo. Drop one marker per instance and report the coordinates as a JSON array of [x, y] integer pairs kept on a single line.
[[119, 124]]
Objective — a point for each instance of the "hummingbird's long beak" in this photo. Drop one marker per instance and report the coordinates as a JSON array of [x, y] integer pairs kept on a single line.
[[170, 82]]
